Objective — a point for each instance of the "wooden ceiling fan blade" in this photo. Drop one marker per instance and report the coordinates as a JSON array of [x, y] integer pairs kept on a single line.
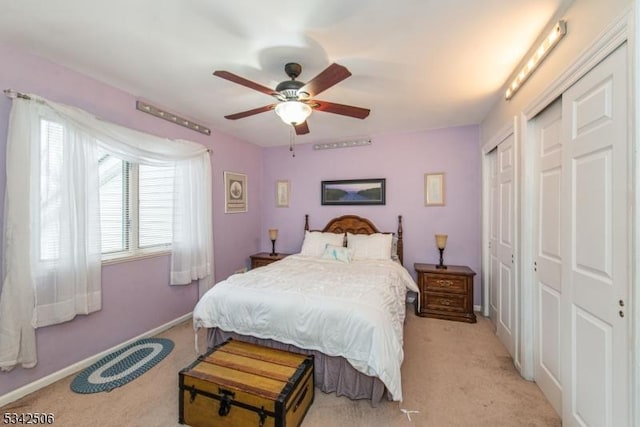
[[302, 128], [244, 82], [248, 113], [330, 76], [344, 110]]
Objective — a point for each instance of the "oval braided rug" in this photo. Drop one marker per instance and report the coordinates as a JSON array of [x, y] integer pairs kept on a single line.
[[122, 366]]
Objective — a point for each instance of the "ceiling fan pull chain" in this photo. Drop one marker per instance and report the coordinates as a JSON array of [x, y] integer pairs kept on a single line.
[[292, 141]]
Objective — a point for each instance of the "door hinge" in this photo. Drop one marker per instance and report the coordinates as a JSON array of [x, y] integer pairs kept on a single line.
[[621, 304]]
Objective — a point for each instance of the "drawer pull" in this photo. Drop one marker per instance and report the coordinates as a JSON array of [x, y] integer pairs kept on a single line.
[[445, 302], [444, 283]]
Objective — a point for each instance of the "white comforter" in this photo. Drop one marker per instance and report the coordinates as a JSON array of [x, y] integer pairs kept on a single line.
[[353, 310]]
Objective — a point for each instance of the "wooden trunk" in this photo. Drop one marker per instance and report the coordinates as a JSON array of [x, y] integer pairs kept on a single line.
[[242, 384]]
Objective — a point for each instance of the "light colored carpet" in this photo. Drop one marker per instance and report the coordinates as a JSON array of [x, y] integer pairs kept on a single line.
[[454, 374]]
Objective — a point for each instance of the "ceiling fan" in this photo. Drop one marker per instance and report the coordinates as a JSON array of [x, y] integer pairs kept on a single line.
[[296, 98]]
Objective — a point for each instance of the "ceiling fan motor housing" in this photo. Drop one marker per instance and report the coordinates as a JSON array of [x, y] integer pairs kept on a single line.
[[289, 88]]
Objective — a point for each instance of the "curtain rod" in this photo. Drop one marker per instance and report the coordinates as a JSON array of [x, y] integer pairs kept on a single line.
[[10, 93]]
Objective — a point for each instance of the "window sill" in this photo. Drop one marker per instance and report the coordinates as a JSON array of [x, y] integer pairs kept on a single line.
[[119, 258]]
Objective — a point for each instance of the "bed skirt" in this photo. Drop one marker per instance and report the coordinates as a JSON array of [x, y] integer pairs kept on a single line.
[[332, 373]]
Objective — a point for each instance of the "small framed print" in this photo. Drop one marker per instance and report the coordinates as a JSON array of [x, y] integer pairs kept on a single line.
[[434, 189], [235, 192], [282, 193]]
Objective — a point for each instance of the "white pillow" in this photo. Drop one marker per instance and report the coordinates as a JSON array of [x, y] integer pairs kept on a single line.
[[370, 246], [337, 253], [315, 242]]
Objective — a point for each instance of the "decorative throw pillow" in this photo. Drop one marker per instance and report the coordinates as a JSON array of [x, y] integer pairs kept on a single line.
[[394, 249], [370, 246], [315, 242], [337, 253]]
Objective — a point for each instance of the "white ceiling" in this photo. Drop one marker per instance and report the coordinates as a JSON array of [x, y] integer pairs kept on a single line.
[[417, 64]]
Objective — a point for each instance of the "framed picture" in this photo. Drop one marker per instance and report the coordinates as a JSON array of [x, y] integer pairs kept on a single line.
[[282, 193], [235, 192], [434, 189], [354, 192]]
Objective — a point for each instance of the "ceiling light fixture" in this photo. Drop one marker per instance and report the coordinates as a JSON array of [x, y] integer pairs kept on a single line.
[[293, 112], [344, 144], [549, 42], [157, 112]]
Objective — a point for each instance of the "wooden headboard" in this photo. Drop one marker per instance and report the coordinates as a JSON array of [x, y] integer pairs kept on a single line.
[[355, 224]]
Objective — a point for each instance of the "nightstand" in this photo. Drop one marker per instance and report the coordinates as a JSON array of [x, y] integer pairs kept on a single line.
[[446, 293], [263, 258]]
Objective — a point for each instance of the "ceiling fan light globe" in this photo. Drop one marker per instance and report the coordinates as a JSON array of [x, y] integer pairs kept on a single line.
[[293, 112]]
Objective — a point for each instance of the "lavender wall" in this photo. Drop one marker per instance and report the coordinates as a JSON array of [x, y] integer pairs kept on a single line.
[[136, 295], [402, 159]]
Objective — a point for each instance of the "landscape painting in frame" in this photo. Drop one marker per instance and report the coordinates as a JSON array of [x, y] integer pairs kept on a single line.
[[354, 192]]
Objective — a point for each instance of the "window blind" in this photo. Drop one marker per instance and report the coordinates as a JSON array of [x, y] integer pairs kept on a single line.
[[51, 159], [114, 203], [155, 205]]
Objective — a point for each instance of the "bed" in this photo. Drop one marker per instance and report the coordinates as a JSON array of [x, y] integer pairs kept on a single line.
[[342, 299]]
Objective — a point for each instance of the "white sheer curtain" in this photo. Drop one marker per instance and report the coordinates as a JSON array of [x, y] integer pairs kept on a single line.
[[43, 290]]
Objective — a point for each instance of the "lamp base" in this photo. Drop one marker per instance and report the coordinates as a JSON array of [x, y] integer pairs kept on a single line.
[[441, 265], [273, 248]]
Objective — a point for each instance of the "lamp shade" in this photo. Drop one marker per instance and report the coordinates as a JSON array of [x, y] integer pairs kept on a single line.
[[273, 233], [293, 112], [441, 240]]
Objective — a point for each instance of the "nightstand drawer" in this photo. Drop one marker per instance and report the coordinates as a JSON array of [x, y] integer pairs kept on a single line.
[[447, 283], [446, 302]]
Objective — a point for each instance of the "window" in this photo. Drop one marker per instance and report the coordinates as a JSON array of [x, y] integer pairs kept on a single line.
[[114, 212], [51, 135], [155, 206], [136, 201]]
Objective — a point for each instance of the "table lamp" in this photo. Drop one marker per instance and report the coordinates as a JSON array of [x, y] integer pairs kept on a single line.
[[273, 235], [441, 242]]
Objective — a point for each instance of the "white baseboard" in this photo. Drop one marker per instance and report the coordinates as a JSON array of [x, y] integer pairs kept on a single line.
[[477, 308], [78, 366]]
